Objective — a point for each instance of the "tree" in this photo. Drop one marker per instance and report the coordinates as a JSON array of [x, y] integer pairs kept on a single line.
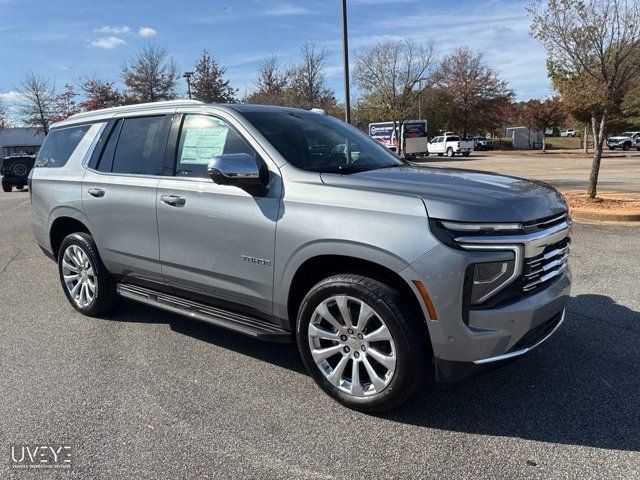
[[4, 116], [65, 104], [100, 94], [37, 95], [540, 115], [308, 83], [391, 75], [477, 92], [272, 82], [592, 50], [208, 84], [150, 76]]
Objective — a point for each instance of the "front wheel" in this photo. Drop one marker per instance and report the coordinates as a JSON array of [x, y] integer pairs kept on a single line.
[[466, 154], [361, 342], [88, 285], [612, 148], [6, 186], [450, 152], [626, 146]]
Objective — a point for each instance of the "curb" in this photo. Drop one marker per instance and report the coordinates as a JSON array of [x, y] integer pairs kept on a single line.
[[578, 214]]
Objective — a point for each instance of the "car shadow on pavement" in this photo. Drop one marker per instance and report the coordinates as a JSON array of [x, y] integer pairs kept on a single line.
[[282, 355], [581, 387]]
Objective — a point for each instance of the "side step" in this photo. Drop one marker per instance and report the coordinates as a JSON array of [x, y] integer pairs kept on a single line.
[[237, 322]]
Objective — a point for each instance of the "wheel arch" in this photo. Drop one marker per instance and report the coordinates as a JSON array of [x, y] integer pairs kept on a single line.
[[319, 267], [67, 222]]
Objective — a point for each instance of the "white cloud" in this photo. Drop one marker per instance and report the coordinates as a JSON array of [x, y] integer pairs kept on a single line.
[[11, 96], [107, 42], [146, 32], [286, 8], [108, 29]]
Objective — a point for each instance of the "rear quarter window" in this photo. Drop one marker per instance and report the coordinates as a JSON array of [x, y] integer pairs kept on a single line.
[[59, 146]]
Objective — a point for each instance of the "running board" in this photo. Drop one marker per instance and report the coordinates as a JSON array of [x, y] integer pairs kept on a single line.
[[237, 322]]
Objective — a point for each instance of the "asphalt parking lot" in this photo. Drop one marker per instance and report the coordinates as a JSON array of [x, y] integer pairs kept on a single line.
[[618, 172], [147, 394]]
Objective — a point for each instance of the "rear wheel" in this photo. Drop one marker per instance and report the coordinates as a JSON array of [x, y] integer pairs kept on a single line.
[[466, 154], [88, 285], [361, 343], [450, 152]]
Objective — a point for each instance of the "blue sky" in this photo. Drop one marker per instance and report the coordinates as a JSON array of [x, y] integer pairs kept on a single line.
[[65, 40]]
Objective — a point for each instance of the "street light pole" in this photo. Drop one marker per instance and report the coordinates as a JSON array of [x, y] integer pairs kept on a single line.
[[187, 76], [345, 56]]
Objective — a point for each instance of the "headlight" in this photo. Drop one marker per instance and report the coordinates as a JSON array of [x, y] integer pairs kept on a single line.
[[482, 227], [489, 278]]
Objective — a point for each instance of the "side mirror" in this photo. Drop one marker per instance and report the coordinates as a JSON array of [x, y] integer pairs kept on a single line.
[[240, 170]]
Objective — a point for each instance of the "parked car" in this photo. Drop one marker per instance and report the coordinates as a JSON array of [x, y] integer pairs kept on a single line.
[[482, 144], [384, 274], [625, 141], [450, 145], [15, 171], [568, 133]]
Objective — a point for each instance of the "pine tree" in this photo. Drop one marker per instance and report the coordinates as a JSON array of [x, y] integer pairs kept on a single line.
[[208, 84]]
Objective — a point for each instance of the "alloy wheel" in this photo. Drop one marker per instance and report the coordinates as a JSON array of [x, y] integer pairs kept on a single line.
[[352, 346], [79, 276]]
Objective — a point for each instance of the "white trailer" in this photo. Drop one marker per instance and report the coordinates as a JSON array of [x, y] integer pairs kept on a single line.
[[414, 136]]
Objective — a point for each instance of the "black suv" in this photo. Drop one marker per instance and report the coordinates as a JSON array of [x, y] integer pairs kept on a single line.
[[15, 171]]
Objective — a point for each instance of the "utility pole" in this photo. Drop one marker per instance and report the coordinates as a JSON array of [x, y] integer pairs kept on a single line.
[[345, 56], [187, 76]]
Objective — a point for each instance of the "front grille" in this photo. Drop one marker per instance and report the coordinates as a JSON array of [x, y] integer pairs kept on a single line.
[[544, 223], [546, 267]]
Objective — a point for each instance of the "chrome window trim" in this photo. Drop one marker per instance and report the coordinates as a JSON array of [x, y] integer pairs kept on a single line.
[[517, 270], [522, 351]]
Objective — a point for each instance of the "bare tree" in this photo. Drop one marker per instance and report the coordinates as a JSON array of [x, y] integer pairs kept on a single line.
[[4, 116], [392, 74], [477, 92], [208, 83], [540, 115], [308, 83], [592, 48], [100, 94], [272, 82], [150, 76], [37, 95]]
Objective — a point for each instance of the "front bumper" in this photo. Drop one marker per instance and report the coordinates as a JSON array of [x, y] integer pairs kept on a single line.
[[467, 341]]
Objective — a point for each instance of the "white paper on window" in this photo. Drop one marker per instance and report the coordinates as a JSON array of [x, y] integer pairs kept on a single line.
[[200, 144]]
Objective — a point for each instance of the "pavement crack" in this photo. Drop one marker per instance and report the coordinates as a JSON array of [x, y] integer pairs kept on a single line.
[[4, 269]]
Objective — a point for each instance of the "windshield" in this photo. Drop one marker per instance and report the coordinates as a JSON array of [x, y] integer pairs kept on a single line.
[[320, 143]]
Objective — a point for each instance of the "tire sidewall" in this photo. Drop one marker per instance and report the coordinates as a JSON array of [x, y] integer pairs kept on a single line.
[[82, 242], [404, 365]]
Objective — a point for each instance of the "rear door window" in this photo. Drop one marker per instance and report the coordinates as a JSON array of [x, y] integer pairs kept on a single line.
[[60, 145], [141, 146]]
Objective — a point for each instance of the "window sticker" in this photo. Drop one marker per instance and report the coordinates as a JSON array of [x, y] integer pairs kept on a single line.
[[200, 144]]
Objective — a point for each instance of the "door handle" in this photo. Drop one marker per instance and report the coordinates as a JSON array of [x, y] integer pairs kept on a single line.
[[173, 200], [96, 192]]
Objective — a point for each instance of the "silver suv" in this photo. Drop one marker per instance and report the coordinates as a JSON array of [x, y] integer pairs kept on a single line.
[[292, 226]]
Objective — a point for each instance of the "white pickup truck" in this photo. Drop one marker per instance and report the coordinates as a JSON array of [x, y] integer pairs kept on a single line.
[[450, 145], [625, 141]]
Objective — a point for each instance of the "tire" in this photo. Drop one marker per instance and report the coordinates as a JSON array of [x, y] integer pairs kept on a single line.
[[6, 186], [20, 186], [79, 251], [440, 154], [466, 154], [626, 146], [395, 383], [20, 169], [450, 152], [612, 148]]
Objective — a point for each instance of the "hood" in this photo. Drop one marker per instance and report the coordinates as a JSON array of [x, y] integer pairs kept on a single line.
[[618, 138], [462, 195]]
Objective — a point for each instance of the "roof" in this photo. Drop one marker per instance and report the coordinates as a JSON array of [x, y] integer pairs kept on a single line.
[[162, 107], [20, 137]]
